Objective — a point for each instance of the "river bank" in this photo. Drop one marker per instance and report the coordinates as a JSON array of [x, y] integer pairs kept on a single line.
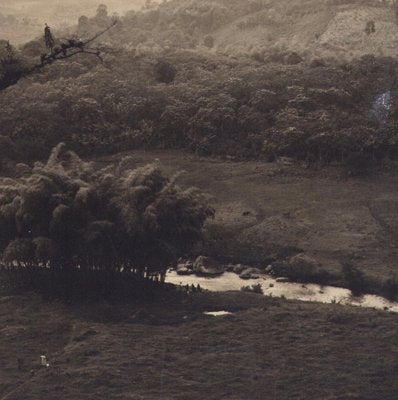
[[275, 287], [271, 211]]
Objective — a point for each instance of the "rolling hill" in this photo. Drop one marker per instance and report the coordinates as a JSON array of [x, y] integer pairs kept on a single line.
[[312, 28], [318, 27]]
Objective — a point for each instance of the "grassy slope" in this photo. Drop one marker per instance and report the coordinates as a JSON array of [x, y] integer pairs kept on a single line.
[[329, 216], [314, 26], [268, 349]]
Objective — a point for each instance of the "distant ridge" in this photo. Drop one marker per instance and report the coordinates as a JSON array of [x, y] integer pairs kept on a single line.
[[319, 28]]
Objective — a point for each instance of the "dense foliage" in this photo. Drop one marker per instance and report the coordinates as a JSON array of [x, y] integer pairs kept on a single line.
[[67, 214], [162, 85], [210, 104]]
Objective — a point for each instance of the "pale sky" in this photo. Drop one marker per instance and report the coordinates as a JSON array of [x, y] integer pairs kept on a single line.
[[65, 10], [57, 13]]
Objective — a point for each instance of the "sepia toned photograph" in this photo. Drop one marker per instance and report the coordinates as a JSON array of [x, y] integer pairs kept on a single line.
[[199, 200]]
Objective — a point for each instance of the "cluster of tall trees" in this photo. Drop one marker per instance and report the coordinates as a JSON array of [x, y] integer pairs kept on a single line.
[[68, 214]]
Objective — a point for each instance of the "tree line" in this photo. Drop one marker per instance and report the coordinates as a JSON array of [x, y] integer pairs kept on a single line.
[[211, 104]]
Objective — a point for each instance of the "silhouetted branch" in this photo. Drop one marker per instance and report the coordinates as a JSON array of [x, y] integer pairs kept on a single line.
[[101, 33], [11, 71]]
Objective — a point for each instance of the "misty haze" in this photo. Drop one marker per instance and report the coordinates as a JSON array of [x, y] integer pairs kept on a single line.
[[23, 20], [199, 199]]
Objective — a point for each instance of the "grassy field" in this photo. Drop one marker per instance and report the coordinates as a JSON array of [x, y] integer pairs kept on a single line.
[[320, 27], [263, 209], [266, 349]]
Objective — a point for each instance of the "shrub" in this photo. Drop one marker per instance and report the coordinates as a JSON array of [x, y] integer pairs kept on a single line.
[[165, 72], [208, 41], [390, 288], [301, 268], [354, 279], [256, 288], [11, 67], [358, 164]]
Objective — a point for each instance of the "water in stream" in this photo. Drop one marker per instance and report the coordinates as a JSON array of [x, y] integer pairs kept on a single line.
[[289, 290]]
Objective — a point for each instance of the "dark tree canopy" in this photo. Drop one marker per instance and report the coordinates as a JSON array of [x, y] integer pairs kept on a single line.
[[68, 214], [164, 72], [11, 68]]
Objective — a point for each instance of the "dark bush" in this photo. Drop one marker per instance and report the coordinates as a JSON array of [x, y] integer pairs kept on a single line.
[[256, 288], [305, 273], [358, 164], [354, 278], [390, 288], [208, 41], [164, 72]]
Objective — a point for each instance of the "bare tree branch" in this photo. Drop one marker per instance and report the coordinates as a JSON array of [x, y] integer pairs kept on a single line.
[[101, 33], [11, 72]]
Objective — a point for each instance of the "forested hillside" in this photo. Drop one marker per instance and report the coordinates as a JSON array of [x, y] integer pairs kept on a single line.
[[169, 80]]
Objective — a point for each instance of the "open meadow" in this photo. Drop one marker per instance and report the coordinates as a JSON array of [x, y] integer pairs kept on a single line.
[[264, 208], [266, 349]]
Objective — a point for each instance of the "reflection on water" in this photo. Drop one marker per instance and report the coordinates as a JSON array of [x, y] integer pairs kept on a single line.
[[292, 291], [217, 313]]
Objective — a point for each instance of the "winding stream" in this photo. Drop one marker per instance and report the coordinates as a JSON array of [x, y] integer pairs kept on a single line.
[[289, 290]]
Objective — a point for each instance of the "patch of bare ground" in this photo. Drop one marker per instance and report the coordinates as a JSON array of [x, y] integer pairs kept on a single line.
[[266, 349]]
